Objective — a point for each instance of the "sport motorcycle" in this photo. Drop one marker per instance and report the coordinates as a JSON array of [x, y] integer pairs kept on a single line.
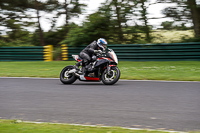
[[103, 67]]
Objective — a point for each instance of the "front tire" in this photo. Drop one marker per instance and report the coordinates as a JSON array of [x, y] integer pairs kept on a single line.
[[112, 78], [67, 78]]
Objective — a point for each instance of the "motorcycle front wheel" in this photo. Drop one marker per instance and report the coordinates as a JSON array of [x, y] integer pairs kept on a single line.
[[66, 77], [112, 77]]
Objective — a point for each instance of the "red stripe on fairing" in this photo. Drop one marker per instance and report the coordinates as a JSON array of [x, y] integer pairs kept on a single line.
[[91, 78], [104, 58]]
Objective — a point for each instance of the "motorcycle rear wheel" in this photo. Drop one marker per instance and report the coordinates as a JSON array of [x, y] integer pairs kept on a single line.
[[67, 78], [112, 78]]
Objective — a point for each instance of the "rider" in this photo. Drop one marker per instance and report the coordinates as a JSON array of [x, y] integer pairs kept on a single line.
[[92, 49]]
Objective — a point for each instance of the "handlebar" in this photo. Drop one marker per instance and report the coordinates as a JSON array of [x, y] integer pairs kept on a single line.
[[104, 53]]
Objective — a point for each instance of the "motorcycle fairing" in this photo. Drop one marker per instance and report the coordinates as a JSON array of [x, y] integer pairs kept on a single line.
[[110, 55], [91, 78], [86, 78], [113, 56], [101, 61]]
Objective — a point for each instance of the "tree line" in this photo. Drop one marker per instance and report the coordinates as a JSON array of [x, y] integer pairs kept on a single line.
[[119, 21]]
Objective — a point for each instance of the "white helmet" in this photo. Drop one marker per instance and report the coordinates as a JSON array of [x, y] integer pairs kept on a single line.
[[101, 42]]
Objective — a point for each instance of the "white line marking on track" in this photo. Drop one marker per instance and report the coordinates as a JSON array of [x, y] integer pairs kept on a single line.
[[119, 80], [101, 126]]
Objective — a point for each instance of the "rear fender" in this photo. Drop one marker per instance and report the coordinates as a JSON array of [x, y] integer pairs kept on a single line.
[[77, 58]]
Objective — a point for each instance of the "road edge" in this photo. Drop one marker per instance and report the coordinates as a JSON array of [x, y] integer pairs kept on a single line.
[[119, 79], [34, 122]]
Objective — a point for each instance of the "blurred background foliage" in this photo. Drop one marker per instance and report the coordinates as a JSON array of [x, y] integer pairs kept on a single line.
[[118, 21]]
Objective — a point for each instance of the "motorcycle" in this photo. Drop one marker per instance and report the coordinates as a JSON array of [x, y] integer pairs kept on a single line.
[[102, 68]]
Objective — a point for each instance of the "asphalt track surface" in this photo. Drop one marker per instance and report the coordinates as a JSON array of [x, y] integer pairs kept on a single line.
[[133, 104]]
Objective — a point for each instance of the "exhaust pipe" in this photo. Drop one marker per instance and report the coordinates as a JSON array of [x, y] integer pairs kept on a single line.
[[72, 71]]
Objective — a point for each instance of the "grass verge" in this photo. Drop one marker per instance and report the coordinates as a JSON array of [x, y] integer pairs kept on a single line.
[[171, 70], [16, 126]]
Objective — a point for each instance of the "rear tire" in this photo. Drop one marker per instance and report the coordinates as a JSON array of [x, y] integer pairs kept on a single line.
[[66, 78], [112, 78]]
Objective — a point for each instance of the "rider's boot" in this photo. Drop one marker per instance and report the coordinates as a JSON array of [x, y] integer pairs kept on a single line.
[[83, 71], [77, 66], [85, 67]]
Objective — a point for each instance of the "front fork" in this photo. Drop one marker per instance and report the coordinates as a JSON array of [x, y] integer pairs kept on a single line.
[[109, 68]]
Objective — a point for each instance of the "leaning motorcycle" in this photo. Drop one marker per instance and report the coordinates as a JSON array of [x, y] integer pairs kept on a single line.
[[103, 68]]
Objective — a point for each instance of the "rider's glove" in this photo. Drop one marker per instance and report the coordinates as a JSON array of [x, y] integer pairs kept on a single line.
[[97, 51]]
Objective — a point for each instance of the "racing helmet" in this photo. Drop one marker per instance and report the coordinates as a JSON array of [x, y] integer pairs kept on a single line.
[[101, 42]]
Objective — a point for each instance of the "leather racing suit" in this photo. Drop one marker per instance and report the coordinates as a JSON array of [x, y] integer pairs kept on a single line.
[[87, 53]]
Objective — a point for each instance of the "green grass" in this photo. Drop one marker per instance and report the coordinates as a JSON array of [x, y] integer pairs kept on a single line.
[[164, 36], [172, 70], [33, 69], [170, 36], [177, 70], [13, 126]]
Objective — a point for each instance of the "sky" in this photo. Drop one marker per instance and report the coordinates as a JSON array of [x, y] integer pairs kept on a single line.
[[92, 6]]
